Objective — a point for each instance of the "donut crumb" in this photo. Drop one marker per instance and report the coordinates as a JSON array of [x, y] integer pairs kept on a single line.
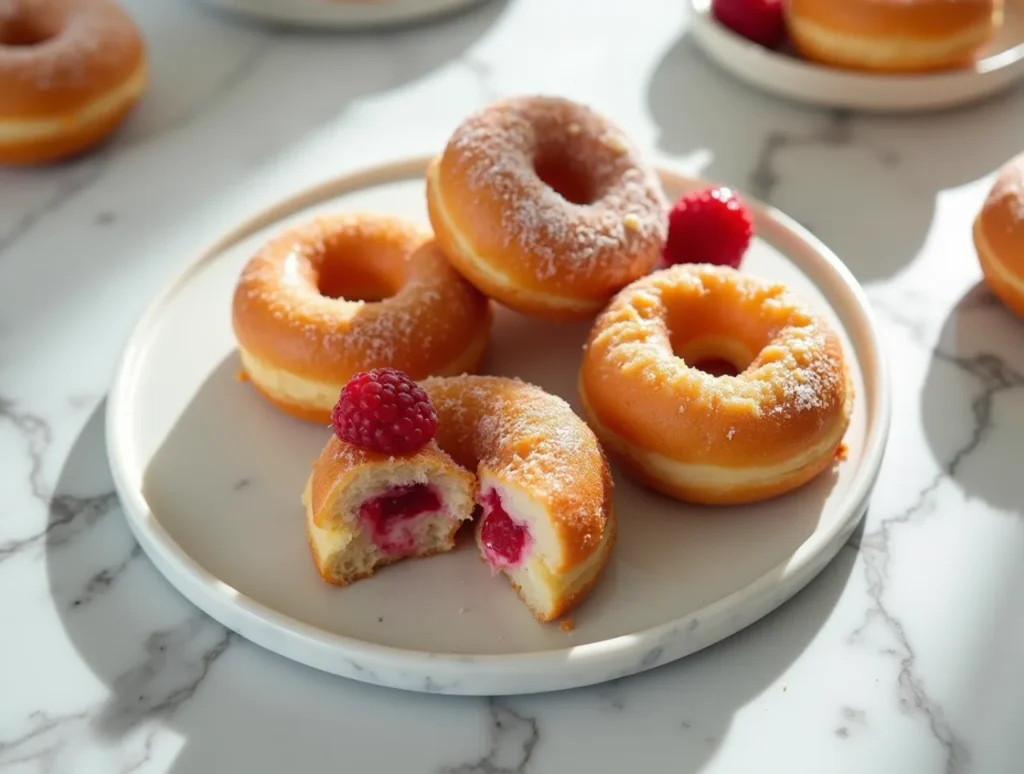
[[567, 625], [241, 376], [842, 452]]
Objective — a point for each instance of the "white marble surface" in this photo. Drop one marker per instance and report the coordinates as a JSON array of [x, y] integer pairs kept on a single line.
[[905, 656]]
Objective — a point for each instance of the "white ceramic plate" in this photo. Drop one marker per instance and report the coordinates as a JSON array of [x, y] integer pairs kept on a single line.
[[787, 76], [210, 476], [343, 14]]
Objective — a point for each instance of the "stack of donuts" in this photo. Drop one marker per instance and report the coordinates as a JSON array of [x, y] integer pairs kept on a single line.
[[377, 326]]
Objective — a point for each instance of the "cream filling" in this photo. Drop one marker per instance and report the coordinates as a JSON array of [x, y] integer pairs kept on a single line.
[[873, 50], [99, 109], [716, 477], [492, 274], [315, 394]]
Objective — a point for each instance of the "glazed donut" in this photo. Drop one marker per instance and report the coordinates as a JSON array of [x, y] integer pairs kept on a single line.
[[892, 35], [70, 72], [347, 293], [542, 482], [546, 206], [999, 236], [710, 439]]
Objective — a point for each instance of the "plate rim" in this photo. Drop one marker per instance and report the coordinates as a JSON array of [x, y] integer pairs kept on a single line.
[[243, 614], [347, 17], [710, 36]]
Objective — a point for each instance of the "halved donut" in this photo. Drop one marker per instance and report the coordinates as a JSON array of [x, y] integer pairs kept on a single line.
[[542, 482], [348, 293], [766, 430], [999, 235]]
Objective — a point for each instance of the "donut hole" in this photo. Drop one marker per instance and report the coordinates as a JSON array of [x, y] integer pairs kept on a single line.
[[568, 178], [713, 339], [28, 29], [355, 281]]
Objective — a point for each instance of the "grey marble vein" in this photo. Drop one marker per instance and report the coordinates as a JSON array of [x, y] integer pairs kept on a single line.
[[512, 741], [177, 662], [765, 177], [105, 579], [37, 435], [995, 377], [69, 516]]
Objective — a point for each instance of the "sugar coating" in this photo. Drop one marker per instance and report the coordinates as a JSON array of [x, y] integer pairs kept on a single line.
[[1008, 190], [797, 377], [498, 150], [92, 40], [527, 438], [431, 318]]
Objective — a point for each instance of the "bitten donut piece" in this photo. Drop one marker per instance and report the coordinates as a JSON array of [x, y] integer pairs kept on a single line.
[[348, 293], [365, 510], [892, 35], [70, 72], [999, 236], [546, 206], [766, 430], [544, 485]]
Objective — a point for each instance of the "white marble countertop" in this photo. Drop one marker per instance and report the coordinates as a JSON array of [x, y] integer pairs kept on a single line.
[[906, 655]]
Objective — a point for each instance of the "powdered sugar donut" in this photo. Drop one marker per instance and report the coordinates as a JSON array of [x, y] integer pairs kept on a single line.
[[70, 71], [348, 293], [768, 429], [546, 206]]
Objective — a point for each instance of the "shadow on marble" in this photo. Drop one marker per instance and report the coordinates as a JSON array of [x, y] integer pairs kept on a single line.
[[973, 395], [866, 186], [163, 662]]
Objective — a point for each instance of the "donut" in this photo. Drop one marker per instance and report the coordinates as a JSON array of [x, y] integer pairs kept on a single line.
[[892, 35], [999, 236], [534, 468], [70, 72], [347, 293], [731, 438], [546, 206]]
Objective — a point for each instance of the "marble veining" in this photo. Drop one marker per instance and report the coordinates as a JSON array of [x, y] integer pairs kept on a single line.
[[903, 656]]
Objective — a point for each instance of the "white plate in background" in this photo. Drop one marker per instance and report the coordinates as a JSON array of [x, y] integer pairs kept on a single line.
[[210, 476], [343, 14], [785, 75]]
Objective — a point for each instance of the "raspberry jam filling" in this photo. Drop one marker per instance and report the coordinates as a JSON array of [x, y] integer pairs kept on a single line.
[[388, 516], [505, 543]]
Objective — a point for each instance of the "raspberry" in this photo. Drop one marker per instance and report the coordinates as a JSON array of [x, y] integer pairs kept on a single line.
[[711, 225], [760, 21], [383, 410]]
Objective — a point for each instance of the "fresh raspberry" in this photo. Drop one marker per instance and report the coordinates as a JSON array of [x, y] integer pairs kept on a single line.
[[711, 225], [384, 411], [761, 21]]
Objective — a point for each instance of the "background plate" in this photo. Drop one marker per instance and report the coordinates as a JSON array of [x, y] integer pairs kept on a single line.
[[344, 14], [210, 476], [787, 76]]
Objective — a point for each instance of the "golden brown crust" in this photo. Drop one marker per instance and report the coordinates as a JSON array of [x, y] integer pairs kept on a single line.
[[429, 319], [874, 34], [531, 440], [523, 243], [89, 52], [792, 396], [999, 235]]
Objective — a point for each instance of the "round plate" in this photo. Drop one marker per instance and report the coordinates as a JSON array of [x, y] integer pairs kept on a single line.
[[343, 14], [785, 75], [211, 476]]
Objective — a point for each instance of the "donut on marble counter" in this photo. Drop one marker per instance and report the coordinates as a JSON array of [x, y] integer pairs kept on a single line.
[[70, 72], [999, 235]]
